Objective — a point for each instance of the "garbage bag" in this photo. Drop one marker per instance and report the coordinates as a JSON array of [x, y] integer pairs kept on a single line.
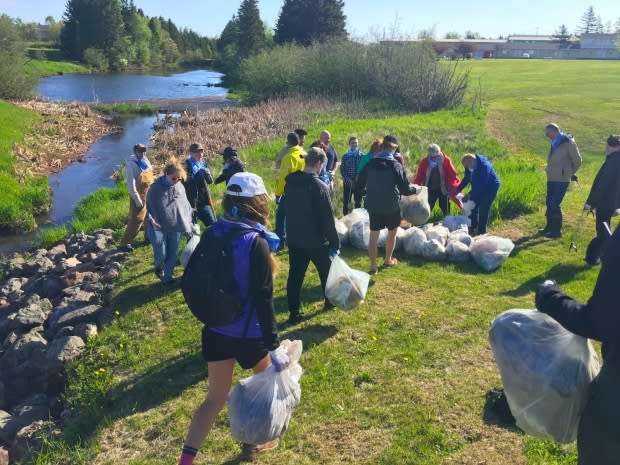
[[345, 287], [436, 231], [415, 208], [457, 251], [382, 239], [460, 235], [188, 250], [356, 215], [467, 209], [260, 407], [413, 241], [546, 371], [433, 250], [343, 232], [359, 235], [490, 252], [400, 236], [456, 222]]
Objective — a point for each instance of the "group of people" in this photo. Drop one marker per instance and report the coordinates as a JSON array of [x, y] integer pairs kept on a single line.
[[169, 206], [305, 220]]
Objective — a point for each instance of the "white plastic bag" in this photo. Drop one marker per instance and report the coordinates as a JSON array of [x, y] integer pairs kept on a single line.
[[260, 407], [345, 288], [433, 250], [457, 251], [400, 236], [460, 235], [189, 250], [415, 208], [490, 252], [456, 222], [546, 371], [357, 215], [359, 235], [413, 241], [343, 232], [437, 232], [467, 209]]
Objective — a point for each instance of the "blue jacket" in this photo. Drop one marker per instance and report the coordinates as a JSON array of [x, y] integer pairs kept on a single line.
[[484, 181]]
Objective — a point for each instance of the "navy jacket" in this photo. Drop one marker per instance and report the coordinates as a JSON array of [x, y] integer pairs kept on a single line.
[[484, 181]]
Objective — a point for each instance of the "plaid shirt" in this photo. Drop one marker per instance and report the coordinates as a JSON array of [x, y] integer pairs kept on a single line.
[[348, 167]]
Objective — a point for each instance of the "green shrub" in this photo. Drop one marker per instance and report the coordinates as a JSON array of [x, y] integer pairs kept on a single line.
[[125, 108], [104, 208], [48, 236]]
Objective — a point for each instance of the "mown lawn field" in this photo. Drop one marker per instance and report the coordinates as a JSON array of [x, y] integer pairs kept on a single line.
[[401, 379]]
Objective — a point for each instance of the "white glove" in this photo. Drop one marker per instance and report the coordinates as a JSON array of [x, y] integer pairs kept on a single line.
[[138, 202], [587, 207], [196, 229], [549, 282], [279, 359]]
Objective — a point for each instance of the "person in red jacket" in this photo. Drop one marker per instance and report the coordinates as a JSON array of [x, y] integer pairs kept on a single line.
[[438, 174]]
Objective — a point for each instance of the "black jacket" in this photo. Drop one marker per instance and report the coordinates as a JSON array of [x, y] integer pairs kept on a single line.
[[385, 180], [235, 166], [599, 318], [605, 191], [197, 186], [309, 213]]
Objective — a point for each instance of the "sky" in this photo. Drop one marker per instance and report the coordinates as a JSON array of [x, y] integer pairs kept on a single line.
[[368, 19]]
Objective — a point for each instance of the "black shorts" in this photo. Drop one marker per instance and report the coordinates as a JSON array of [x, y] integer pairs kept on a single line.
[[378, 221], [217, 347]]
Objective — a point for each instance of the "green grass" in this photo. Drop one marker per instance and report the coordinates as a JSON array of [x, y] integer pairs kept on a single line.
[[23, 196], [402, 378], [47, 60], [125, 109]]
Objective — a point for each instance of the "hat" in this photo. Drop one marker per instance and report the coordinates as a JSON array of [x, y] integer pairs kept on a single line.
[[613, 141], [229, 152], [553, 126], [390, 139], [433, 149], [245, 185], [140, 148], [195, 147]]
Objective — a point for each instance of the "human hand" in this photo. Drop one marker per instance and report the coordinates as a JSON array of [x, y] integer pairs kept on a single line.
[[333, 253], [587, 207], [279, 359], [540, 290], [574, 178], [138, 202]]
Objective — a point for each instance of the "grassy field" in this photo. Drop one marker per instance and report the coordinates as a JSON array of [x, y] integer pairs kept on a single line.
[[47, 60], [401, 379]]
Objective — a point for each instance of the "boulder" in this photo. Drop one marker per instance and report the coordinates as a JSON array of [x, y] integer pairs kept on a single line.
[[57, 252], [85, 331], [65, 349], [74, 316]]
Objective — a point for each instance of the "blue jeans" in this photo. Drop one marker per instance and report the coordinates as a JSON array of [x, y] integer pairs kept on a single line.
[[165, 253], [281, 221], [480, 214], [555, 195], [204, 214]]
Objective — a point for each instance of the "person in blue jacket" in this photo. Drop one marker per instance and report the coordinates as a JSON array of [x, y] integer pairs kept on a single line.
[[484, 186]]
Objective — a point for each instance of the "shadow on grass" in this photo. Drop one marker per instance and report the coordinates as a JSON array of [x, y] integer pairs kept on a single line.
[[526, 242], [560, 273], [141, 294]]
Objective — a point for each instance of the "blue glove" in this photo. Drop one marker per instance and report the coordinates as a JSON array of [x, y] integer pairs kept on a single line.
[[333, 253], [279, 359], [278, 199]]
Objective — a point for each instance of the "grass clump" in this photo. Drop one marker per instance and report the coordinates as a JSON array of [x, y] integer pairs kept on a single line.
[[125, 109]]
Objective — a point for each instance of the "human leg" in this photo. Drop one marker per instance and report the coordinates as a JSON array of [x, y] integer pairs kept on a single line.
[[158, 248], [444, 204], [596, 247], [298, 264], [171, 241], [134, 223], [320, 259], [357, 196], [220, 380], [372, 250], [432, 198], [548, 197], [483, 214], [206, 215], [280, 221], [556, 195], [346, 197], [390, 244]]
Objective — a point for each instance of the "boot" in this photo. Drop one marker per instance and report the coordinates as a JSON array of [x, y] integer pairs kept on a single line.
[[546, 229], [555, 226]]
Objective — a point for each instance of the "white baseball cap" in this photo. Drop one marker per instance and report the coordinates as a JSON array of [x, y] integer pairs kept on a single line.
[[245, 185]]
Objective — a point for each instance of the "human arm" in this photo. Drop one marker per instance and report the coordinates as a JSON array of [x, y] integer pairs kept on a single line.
[[464, 182], [575, 157], [261, 291], [402, 183], [326, 215], [420, 174], [131, 173]]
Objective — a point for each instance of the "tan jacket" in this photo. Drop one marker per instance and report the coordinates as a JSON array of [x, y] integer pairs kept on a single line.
[[563, 161]]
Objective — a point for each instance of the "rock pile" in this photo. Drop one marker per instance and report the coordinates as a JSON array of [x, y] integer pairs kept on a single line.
[[51, 303]]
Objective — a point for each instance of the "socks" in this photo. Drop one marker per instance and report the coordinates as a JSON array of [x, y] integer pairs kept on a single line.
[[188, 455]]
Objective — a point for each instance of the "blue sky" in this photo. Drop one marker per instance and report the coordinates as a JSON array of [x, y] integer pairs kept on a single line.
[[368, 18]]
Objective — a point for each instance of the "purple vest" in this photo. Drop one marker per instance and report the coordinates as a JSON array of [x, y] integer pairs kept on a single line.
[[241, 248]]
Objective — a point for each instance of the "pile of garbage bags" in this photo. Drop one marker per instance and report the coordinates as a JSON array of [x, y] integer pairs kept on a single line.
[[260, 407], [445, 241], [546, 371], [345, 288], [415, 208]]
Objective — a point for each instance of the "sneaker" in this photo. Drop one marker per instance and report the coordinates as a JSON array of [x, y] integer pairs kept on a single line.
[[126, 248], [159, 272], [553, 234], [249, 452], [591, 262], [296, 318], [328, 306]]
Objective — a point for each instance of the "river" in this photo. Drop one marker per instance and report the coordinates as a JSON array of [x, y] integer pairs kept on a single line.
[[108, 153]]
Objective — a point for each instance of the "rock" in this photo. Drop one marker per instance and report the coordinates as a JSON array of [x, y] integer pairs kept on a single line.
[[65, 331], [28, 440], [57, 252], [34, 313], [34, 284], [51, 287], [39, 266], [13, 285], [21, 351], [85, 331], [65, 349], [101, 243], [15, 267], [89, 266], [9, 426], [72, 278], [2, 396], [66, 264], [11, 338], [73, 317]]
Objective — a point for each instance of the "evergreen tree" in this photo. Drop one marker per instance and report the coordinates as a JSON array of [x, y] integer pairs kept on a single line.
[[589, 22], [230, 35], [306, 21], [562, 34], [251, 37]]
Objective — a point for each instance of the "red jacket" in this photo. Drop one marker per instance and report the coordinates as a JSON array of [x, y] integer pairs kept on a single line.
[[447, 173]]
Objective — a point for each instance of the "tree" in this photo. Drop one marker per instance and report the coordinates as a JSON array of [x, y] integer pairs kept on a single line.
[[14, 83], [307, 21], [465, 49], [251, 36], [617, 25], [472, 35], [452, 35], [589, 23], [562, 34], [53, 29]]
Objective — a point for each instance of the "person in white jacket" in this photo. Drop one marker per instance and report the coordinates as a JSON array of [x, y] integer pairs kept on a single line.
[[139, 177]]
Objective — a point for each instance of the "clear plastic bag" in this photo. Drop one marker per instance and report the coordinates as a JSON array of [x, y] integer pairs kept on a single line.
[[413, 241], [345, 288], [357, 215], [456, 222], [437, 232], [490, 252], [343, 232], [415, 208], [188, 250], [260, 407], [359, 234], [457, 251], [433, 250], [546, 371]]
